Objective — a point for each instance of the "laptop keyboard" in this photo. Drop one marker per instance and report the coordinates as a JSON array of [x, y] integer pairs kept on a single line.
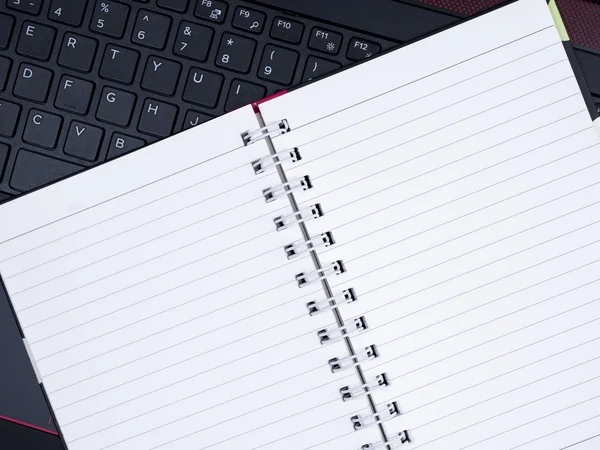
[[82, 82]]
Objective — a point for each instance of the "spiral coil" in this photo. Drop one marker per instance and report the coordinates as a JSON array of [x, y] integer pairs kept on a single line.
[[345, 329]]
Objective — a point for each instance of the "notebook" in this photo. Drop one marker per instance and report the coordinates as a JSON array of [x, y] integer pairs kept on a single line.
[[405, 255]]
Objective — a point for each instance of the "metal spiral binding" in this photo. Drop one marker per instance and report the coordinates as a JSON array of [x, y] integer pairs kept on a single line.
[[273, 193], [390, 411], [400, 440], [307, 278], [350, 392], [381, 413], [301, 247], [270, 130], [353, 326], [267, 162], [347, 296], [339, 364], [312, 212]]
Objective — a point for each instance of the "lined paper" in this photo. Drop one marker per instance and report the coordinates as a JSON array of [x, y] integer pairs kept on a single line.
[[164, 314], [463, 192]]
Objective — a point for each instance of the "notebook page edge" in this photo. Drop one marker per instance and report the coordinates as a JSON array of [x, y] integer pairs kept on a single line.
[[375, 78]]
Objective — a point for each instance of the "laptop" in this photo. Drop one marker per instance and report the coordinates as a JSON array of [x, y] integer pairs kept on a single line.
[[84, 82]]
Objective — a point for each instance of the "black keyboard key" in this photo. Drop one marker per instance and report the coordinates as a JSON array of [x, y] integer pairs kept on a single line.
[[249, 20], [109, 18], [193, 41], [242, 93], [77, 52], [67, 11], [287, 30], [83, 141], [119, 64], [33, 83], [175, 5], [325, 41], [5, 65], [194, 118], [317, 67], [203, 87], [36, 40], [235, 52], [33, 170], [9, 117], [121, 144], [360, 49], [151, 29], [213, 10], [6, 26], [278, 64], [161, 75], [157, 118], [26, 6], [74, 94], [42, 128], [115, 106], [4, 149]]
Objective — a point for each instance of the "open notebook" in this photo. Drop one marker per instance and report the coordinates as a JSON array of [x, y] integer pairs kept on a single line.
[[406, 256]]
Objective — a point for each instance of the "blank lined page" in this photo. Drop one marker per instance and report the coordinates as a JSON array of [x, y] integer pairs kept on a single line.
[[161, 308], [462, 187]]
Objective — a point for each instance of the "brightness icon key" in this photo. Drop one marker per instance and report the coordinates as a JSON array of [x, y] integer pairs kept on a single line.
[[325, 41]]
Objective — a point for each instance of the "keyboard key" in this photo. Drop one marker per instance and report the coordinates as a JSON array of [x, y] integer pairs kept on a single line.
[[26, 6], [325, 41], [74, 94], [9, 117], [67, 11], [33, 83], [83, 141], [6, 26], [5, 65], [42, 128], [4, 149], [203, 87], [161, 75], [194, 118], [317, 67], [36, 40], [242, 93], [77, 52], [235, 52], [157, 118], [249, 20], [121, 144], [287, 30], [193, 41], [109, 18], [175, 5], [115, 106], [33, 170], [213, 10], [278, 64], [360, 49], [151, 29], [119, 64]]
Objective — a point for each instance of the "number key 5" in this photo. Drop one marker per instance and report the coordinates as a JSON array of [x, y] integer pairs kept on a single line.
[[109, 18]]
